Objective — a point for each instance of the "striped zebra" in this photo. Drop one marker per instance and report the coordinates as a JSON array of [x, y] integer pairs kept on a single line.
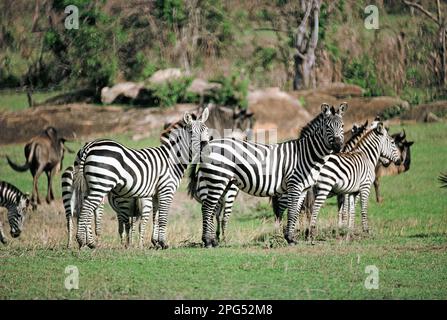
[[266, 170], [279, 203], [17, 204], [354, 172], [104, 166]]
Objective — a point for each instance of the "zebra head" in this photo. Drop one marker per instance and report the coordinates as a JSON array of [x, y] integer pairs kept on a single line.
[[16, 214], [389, 152], [333, 126], [197, 134]]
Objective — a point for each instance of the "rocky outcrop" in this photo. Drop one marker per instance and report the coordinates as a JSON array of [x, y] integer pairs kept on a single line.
[[278, 111]]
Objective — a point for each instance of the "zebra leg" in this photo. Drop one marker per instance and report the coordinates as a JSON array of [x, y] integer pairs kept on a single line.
[[121, 229], [69, 204], [219, 217], [164, 203], [98, 218], [320, 198], [84, 235], [2, 234], [351, 202], [364, 195], [295, 201], [228, 201]]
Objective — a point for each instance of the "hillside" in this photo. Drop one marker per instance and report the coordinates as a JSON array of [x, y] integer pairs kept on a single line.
[[130, 40]]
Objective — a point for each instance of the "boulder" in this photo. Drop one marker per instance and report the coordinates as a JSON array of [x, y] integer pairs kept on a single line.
[[165, 75], [427, 112], [126, 89], [278, 112], [201, 86]]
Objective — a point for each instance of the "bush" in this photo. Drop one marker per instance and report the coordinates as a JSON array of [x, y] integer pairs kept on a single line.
[[172, 92], [233, 92], [362, 72]]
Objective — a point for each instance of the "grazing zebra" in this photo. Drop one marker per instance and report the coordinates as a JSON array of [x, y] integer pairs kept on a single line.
[[17, 204], [354, 172], [104, 166], [266, 170]]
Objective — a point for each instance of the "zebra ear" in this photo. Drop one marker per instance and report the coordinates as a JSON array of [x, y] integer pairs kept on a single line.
[[343, 108], [205, 115], [326, 109], [380, 128], [187, 118]]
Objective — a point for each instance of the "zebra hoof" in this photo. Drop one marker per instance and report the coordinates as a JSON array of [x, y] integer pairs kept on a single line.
[[4, 241], [292, 243], [208, 243], [162, 245], [91, 245], [289, 239]]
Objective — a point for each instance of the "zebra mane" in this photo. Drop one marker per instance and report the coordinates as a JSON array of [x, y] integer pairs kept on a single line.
[[312, 126], [355, 138], [164, 137]]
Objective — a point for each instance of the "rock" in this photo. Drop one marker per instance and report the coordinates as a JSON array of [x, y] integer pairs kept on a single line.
[[165, 75], [277, 111], [126, 89], [431, 117], [421, 113], [200, 86]]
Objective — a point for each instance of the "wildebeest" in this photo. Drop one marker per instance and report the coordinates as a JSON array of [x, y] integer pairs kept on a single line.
[[392, 169], [43, 153]]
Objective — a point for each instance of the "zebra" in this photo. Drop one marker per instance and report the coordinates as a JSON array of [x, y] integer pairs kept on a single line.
[[104, 166], [354, 172], [17, 204], [266, 170], [279, 203]]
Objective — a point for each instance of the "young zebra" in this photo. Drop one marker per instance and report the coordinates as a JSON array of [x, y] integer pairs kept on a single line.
[[266, 170], [104, 166], [354, 172], [17, 204]]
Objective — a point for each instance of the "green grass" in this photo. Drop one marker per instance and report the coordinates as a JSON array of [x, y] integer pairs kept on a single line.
[[408, 245], [15, 101]]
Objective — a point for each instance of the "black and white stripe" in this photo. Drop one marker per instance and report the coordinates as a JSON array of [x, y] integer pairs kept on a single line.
[[17, 204], [104, 166], [354, 172], [266, 170]]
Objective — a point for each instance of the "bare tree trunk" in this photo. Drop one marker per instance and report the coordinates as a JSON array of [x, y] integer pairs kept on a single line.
[[305, 45]]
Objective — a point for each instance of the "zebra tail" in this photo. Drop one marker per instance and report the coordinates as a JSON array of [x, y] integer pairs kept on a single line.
[[26, 166], [192, 184], [80, 189]]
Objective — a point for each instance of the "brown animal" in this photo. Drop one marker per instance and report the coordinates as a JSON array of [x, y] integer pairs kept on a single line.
[[392, 169], [43, 153]]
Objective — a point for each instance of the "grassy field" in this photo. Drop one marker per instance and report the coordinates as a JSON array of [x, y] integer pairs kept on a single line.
[[15, 101], [408, 246]]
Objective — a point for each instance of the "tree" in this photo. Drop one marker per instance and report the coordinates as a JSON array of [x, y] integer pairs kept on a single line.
[[306, 41], [441, 24]]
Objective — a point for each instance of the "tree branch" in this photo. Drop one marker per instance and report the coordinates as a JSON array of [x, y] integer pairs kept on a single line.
[[424, 11]]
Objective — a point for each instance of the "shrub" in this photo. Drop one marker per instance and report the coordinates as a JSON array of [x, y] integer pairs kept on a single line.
[[233, 92], [362, 72]]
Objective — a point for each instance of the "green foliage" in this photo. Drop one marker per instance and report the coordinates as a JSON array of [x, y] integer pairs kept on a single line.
[[362, 72], [233, 92], [391, 112], [172, 92]]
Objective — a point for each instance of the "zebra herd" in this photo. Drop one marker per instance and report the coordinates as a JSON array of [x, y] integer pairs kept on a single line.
[[142, 182]]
